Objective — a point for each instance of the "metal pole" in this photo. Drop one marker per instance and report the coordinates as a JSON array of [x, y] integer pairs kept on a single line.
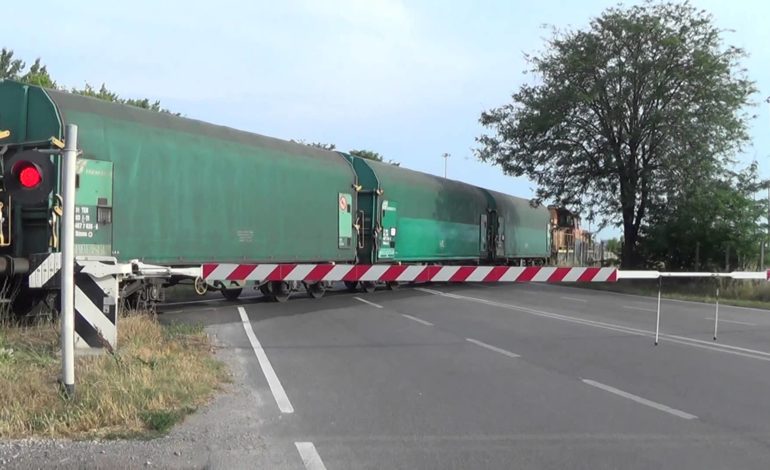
[[446, 158], [657, 319], [69, 157], [716, 316]]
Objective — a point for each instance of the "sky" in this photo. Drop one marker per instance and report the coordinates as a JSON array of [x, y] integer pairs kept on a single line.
[[407, 79]]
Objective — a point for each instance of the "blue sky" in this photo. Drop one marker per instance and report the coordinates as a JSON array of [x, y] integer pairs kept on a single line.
[[407, 79]]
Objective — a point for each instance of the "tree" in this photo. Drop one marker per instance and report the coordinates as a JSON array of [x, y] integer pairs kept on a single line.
[[105, 94], [9, 67], [370, 155], [707, 220], [38, 75], [367, 154], [318, 145], [13, 69], [624, 111]]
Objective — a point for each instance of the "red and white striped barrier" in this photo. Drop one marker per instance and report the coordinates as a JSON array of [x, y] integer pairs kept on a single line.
[[402, 273]]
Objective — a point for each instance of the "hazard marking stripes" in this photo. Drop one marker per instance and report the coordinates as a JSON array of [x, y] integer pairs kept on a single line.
[[95, 299], [402, 273]]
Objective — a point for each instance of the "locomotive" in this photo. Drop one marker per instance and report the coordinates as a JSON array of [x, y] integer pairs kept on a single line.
[[165, 194]]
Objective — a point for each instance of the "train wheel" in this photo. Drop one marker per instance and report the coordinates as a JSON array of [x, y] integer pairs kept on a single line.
[[368, 286], [200, 286], [232, 294], [393, 285], [316, 290], [280, 291], [351, 285]]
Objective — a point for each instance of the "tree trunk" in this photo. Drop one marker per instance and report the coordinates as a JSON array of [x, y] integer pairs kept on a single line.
[[628, 258]]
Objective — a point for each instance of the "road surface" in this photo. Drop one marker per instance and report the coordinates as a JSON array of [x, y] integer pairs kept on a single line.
[[501, 376]]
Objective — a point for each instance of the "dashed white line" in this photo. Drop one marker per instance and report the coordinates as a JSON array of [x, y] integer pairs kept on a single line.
[[492, 348], [310, 456], [638, 399], [367, 302], [418, 320], [573, 298], [731, 321], [631, 307], [272, 379]]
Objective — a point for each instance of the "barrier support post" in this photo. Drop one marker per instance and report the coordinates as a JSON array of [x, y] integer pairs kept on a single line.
[[67, 307], [657, 318], [716, 315]]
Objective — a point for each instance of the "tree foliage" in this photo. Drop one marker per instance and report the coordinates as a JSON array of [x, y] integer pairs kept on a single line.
[[624, 111], [367, 154], [706, 222], [37, 74]]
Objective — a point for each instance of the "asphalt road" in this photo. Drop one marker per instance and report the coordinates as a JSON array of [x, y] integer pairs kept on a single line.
[[500, 376]]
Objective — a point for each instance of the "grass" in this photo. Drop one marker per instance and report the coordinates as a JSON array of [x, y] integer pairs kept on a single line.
[[157, 376], [741, 293]]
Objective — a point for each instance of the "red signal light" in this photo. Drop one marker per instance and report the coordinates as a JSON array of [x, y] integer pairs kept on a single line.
[[29, 175]]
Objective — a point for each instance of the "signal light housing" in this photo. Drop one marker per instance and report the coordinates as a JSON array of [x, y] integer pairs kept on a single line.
[[28, 177]]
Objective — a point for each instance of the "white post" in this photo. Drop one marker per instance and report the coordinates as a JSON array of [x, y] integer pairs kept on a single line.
[[657, 318], [716, 316], [67, 310]]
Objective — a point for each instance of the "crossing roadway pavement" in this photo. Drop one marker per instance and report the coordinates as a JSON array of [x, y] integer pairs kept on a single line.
[[498, 376]]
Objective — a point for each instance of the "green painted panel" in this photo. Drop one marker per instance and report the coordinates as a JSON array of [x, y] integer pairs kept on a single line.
[[426, 239], [27, 112], [345, 220], [93, 208], [390, 232]]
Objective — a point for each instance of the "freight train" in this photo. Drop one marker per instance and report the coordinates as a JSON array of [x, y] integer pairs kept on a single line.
[[154, 189]]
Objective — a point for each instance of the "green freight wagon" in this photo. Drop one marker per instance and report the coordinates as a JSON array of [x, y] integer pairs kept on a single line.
[[178, 192], [523, 230], [421, 218]]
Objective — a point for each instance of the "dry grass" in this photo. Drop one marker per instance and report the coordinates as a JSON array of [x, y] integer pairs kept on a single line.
[[741, 293], [158, 375]]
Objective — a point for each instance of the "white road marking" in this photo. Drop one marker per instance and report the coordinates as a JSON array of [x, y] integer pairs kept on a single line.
[[272, 379], [732, 321], [631, 307], [310, 456], [638, 399], [418, 320], [492, 348], [573, 298], [367, 302], [719, 347]]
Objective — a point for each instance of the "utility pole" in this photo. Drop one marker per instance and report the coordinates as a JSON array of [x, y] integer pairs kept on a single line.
[[445, 156]]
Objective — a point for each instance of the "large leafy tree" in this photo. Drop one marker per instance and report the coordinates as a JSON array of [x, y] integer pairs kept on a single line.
[[622, 112]]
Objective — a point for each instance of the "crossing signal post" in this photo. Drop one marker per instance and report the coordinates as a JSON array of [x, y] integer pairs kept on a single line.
[[69, 170]]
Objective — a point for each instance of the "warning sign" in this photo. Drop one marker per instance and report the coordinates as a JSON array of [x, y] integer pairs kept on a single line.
[[343, 203]]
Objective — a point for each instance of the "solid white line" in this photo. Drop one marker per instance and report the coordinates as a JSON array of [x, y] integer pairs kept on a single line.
[[418, 320], [731, 321], [573, 298], [310, 456], [367, 302], [631, 307], [492, 348], [638, 399], [720, 347], [272, 379]]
